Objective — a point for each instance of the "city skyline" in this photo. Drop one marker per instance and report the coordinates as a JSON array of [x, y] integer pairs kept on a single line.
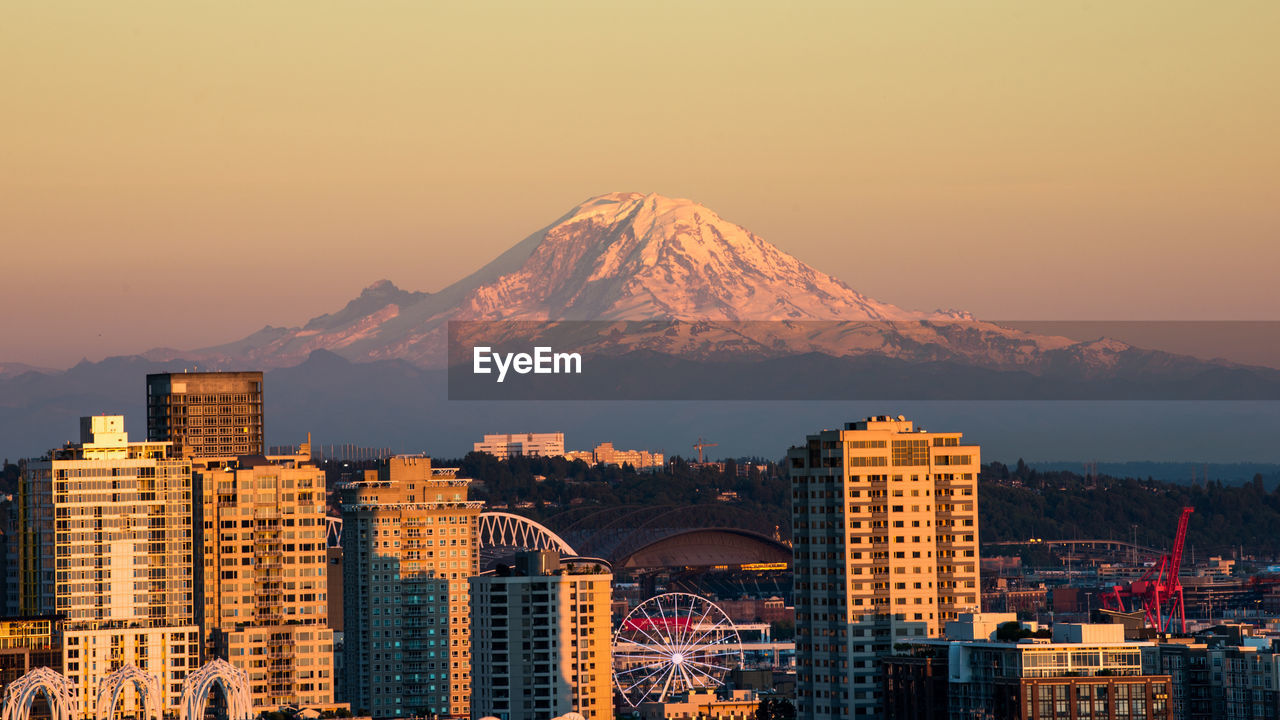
[[722, 360], [1125, 150]]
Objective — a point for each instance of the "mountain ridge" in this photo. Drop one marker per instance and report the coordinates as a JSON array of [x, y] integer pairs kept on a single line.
[[617, 256]]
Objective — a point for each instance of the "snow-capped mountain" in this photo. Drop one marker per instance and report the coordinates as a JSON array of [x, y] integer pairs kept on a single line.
[[630, 256], [626, 256]]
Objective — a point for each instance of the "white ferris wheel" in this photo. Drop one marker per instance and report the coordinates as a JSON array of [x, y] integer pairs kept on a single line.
[[672, 643]]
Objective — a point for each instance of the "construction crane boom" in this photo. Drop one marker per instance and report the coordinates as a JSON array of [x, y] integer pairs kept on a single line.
[[700, 445], [1180, 540], [1159, 590]]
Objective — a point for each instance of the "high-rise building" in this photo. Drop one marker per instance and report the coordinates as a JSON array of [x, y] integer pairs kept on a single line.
[[885, 525], [541, 639], [261, 560], [206, 414], [106, 542], [512, 445], [409, 546]]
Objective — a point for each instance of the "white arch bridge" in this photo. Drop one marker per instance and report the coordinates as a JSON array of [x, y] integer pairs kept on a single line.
[[502, 535], [60, 693]]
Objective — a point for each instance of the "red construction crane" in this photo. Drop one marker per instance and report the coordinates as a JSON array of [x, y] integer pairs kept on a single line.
[[699, 445], [1158, 591]]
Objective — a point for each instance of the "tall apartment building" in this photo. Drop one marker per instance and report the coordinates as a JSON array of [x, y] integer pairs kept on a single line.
[[106, 541], [206, 414], [262, 558], [885, 525], [511, 445], [409, 546], [541, 639]]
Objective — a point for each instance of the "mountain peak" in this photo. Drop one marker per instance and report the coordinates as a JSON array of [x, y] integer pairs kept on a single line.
[[382, 285], [631, 256], [650, 211]]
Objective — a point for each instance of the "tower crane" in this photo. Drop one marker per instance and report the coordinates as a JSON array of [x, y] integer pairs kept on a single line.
[[702, 444]]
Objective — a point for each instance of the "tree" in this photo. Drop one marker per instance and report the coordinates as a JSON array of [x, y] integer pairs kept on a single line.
[[775, 708]]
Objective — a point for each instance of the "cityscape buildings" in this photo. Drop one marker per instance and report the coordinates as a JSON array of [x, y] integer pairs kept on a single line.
[[106, 543], [206, 414], [261, 559], [409, 546], [606, 454], [541, 639], [128, 553], [885, 525]]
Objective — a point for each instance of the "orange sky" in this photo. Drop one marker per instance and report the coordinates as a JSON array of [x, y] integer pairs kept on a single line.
[[183, 173]]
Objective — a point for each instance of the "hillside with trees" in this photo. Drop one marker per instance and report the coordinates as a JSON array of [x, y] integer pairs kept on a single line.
[[1015, 503]]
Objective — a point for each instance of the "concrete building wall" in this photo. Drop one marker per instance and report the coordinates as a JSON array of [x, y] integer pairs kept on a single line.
[[510, 445], [541, 642], [89, 655]]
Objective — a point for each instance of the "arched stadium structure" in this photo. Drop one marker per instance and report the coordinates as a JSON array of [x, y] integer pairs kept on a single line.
[[674, 536]]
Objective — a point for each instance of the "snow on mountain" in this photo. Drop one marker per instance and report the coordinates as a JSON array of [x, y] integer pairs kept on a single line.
[[632, 256]]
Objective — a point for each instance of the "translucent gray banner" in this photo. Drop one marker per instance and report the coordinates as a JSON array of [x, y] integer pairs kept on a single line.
[[931, 359]]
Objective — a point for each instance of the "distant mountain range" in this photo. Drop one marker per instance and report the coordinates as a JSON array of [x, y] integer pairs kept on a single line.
[[717, 308]]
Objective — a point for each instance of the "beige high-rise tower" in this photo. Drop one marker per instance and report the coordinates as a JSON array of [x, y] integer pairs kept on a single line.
[[541, 639], [409, 547], [106, 542], [261, 561], [885, 523]]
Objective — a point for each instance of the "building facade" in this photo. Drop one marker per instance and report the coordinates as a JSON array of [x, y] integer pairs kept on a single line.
[[704, 705], [206, 414], [409, 547], [511, 445], [885, 526], [541, 636], [27, 643], [1222, 680], [1082, 672], [606, 454], [262, 559], [107, 543]]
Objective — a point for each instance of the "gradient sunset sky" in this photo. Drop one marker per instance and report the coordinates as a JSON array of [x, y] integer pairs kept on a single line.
[[181, 174]]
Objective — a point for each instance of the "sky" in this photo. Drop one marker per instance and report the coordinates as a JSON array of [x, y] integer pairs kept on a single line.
[[182, 174]]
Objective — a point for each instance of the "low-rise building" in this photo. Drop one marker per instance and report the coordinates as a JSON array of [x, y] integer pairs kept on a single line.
[[1084, 671], [514, 444], [27, 643], [703, 705]]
